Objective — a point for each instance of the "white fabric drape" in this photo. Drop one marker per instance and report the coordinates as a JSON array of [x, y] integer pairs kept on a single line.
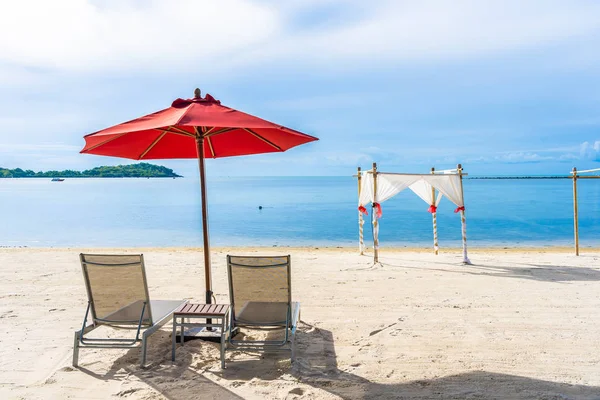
[[366, 189], [423, 189], [390, 185], [449, 186]]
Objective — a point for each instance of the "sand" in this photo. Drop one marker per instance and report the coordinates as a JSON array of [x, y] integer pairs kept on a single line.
[[521, 324]]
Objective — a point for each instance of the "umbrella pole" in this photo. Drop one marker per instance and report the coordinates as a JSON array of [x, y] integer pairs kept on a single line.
[[207, 272]]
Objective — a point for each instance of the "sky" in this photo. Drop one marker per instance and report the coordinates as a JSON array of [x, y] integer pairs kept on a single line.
[[505, 87]]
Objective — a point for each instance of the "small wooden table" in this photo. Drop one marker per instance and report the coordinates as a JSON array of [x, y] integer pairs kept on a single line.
[[215, 316]]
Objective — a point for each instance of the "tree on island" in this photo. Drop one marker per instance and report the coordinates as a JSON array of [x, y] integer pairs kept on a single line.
[[141, 170]]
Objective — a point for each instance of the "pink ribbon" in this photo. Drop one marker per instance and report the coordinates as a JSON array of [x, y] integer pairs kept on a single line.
[[378, 209], [363, 210]]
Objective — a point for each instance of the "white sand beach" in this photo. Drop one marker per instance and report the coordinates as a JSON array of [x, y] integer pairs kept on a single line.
[[518, 324]]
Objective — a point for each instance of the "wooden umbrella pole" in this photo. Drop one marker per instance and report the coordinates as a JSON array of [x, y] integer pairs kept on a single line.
[[463, 218], [434, 217], [575, 213], [361, 221], [207, 265], [374, 217]]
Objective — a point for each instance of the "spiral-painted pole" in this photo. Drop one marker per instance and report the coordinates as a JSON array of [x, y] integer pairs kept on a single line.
[[361, 242], [374, 216], [463, 219], [434, 218], [436, 248]]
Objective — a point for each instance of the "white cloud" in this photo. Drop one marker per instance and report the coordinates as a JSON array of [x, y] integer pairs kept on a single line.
[[41, 147], [590, 151], [204, 36], [19, 121], [83, 35], [584, 153], [323, 102], [437, 29]]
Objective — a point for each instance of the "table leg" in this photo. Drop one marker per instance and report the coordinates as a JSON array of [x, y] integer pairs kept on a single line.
[[182, 326], [173, 337], [223, 342]]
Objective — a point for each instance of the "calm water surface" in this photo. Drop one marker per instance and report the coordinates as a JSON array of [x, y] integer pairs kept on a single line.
[[296, 211]]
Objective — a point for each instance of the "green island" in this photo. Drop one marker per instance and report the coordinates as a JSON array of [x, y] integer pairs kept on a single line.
[[141, 170]]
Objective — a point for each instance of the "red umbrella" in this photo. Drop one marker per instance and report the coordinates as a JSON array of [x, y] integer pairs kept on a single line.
[[195, 128]]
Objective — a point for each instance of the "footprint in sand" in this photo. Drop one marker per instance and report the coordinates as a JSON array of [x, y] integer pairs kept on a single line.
[[124, 393], [295, 393]]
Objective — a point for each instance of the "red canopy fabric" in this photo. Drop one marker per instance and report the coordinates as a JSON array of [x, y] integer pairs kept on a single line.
[[171, 133]]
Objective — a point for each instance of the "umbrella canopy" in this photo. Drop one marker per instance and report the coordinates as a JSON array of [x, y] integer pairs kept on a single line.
[[172, 133], [194, 128]]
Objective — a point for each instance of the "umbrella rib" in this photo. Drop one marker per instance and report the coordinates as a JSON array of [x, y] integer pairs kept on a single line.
[[182, 134], [219, 131], [186, 134], [179, 130], [210, 146], [103, 143], [162, 135], [262, 138]]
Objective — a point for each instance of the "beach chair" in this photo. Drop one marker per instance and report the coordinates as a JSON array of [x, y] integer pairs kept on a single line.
[[118, 297], [261, 298]]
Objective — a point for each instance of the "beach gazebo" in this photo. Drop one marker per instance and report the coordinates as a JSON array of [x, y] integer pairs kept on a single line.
[[376, 187]]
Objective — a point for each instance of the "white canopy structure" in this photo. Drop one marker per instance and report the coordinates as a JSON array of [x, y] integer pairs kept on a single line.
[[575, 176], [376, 187]]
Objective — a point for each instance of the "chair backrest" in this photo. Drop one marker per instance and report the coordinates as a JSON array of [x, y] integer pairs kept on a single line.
[[117, 288], [260, 289]]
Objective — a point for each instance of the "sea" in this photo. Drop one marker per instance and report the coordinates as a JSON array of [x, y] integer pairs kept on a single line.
[[285, 211]]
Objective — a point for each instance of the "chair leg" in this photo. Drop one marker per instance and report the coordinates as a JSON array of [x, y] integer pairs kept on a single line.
[[293, 336], [76, 349], [144, 342], [293, 345]]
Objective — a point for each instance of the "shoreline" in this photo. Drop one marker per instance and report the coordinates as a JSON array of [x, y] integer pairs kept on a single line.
[[368, 251]]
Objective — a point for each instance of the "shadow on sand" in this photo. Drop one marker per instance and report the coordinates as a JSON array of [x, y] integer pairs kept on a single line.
[[183, 380], [316, 368], [530, 271]]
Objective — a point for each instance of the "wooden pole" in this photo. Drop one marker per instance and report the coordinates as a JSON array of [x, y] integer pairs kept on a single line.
[[207, 266], [463, 218], [575, 213], [434, 218], [361, 242], [374, 217]]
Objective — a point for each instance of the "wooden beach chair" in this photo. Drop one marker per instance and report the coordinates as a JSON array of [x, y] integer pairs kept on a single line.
[[118, 297], [261, 298]]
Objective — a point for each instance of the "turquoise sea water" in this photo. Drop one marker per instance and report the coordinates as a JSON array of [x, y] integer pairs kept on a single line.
[[317, 211]]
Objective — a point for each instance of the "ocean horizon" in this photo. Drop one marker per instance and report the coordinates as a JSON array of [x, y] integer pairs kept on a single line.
[[296, 211]]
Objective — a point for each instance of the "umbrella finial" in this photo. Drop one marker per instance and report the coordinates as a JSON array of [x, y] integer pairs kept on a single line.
[[197, 94]]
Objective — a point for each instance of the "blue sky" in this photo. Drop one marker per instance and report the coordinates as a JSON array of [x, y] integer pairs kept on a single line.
[[505, 87]]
